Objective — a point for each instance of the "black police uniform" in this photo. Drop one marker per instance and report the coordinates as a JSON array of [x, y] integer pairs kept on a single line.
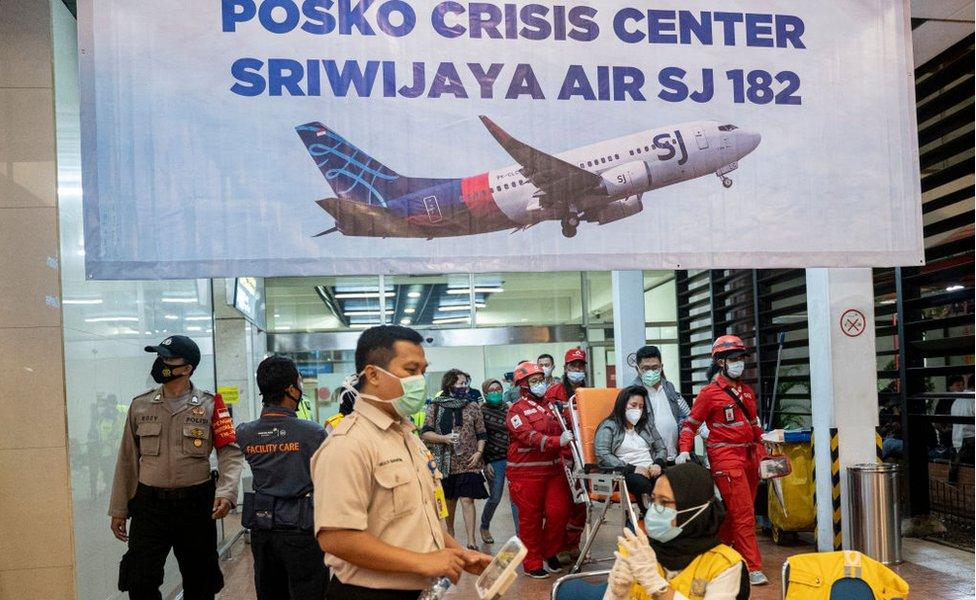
[[288, 563]]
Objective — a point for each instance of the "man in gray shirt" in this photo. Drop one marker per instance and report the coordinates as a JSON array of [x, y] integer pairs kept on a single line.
[[163, 478], [288, 563]]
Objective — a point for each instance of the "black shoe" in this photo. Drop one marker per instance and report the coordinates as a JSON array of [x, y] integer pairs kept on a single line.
[[538, 574], [552, 565]]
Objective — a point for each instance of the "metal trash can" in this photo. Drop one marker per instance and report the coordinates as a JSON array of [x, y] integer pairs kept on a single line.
[[873, 506]]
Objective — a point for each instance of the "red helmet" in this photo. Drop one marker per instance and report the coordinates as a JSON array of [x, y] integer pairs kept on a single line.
[[574, 354], [727, 343], [526, 370]]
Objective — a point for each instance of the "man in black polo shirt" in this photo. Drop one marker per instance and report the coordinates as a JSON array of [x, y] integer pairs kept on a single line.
[[288, 563]]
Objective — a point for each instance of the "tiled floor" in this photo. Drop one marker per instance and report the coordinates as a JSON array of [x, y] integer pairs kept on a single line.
[[933, 572]]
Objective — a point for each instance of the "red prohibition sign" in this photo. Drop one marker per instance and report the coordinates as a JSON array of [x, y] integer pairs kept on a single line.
[[852, 322]]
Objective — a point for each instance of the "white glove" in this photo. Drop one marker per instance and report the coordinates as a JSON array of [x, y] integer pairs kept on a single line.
[[565, 438], [682, 458], [642, 561], [620, 580]]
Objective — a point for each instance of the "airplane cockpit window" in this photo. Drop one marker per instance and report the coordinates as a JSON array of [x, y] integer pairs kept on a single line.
[[727, 127]]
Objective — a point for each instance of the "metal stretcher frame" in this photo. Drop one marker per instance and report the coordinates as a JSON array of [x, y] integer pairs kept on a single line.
[[566, 578], [594, 488]]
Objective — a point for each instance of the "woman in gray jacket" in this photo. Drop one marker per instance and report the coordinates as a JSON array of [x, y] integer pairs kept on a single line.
[[627, 441]]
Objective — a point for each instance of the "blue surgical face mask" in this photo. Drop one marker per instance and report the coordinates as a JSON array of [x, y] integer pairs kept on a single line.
[[658, 521], [651, 377], [576, 376], [538, 389]]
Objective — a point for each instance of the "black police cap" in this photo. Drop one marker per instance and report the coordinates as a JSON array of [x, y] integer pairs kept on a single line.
[[178, 346]]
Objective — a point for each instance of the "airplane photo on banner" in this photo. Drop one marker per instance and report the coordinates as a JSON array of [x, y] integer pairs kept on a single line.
[[600, 183]]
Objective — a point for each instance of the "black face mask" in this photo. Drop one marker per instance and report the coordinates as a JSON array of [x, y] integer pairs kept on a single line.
[[163, 373]]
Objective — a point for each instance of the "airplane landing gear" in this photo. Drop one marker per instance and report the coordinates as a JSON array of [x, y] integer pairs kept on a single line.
[[570, 223], [726, 182]]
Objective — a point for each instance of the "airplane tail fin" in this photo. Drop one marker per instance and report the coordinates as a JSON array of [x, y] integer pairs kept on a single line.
[[352, 174]]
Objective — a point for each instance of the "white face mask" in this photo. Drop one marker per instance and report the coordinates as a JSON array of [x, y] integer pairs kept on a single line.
[[633, 415], [735, 369], [547, 371]]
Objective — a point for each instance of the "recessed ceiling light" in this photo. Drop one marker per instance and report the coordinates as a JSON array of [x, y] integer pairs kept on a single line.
[[413, 294], [409, 310]]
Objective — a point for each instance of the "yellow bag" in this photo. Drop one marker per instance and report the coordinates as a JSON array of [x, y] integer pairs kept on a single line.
[[800, 512]]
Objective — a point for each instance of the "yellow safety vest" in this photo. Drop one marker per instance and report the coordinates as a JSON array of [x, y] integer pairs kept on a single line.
[[304, 410], [692, 581], [812, 575]]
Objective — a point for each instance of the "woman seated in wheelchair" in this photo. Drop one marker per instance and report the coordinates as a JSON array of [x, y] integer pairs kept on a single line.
[[683, 559], [628, 442]]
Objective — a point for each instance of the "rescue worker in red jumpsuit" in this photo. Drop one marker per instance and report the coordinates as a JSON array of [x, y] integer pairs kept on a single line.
[[536, 479], [574, 377], [728, 407]]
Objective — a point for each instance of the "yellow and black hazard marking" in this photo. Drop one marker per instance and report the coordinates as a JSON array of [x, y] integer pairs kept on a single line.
[[877, 444], [835, 487]]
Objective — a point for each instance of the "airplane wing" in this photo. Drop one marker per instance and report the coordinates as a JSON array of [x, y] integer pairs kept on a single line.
[[557, 180]]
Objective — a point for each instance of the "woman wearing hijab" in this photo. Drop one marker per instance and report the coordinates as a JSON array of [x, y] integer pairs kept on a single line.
[[683, 558], [454, 431]]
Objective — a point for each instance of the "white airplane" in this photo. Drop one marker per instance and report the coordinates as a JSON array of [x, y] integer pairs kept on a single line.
[[600, 183]]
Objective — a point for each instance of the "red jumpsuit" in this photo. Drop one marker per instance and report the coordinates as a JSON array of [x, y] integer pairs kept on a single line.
[[577, 512], [734, 450], [536, 480]]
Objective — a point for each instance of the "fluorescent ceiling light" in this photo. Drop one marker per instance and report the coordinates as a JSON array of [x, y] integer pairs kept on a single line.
[[170, 317], [283, 327], [180, 300], [81, 301], [112, 320], [458, 307], [477, 290], [413, 294], [349, 295], [953, 288], [451, 320], [405, 321], [409, 310], [196, 318], [276, 315], [361, 313], [194, 328]]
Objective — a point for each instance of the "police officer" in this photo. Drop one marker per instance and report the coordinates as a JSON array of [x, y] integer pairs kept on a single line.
[[288, 563], [378, 498], [163, 479]]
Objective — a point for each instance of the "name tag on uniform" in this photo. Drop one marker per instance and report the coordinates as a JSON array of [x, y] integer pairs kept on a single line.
[[516, 422], [729, 414], [441, 502]]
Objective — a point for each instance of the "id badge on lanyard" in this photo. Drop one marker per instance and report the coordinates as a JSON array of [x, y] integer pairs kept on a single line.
[[729, 414], [440, 500]]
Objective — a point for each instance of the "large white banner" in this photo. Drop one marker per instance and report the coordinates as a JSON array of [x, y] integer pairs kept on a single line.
[[289, 137]]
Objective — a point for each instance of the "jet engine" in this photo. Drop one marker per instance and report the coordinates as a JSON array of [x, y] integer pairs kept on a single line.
[[620, 209], [627, 179]]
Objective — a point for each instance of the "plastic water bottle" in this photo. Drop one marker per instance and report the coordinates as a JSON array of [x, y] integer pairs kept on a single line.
[[436, 591]]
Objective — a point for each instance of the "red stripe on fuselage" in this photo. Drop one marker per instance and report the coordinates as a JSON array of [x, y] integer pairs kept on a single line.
[[478, 196]]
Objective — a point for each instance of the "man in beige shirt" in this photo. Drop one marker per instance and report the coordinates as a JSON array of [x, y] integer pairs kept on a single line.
[[378, 500], [163, 479]]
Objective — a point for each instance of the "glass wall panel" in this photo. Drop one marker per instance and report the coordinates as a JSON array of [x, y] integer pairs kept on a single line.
[[528, 298], [439, 301], [106, 326]]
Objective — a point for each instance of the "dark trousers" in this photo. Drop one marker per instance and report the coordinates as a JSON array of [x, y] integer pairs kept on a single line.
[[638, 485], [343, 591], [178, 522], [288, 565]]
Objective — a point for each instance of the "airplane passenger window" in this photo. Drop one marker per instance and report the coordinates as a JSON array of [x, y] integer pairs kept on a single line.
[[631, 152], [638, 151], [616, 157], [603, 160], [589, 163], [728, 127]]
